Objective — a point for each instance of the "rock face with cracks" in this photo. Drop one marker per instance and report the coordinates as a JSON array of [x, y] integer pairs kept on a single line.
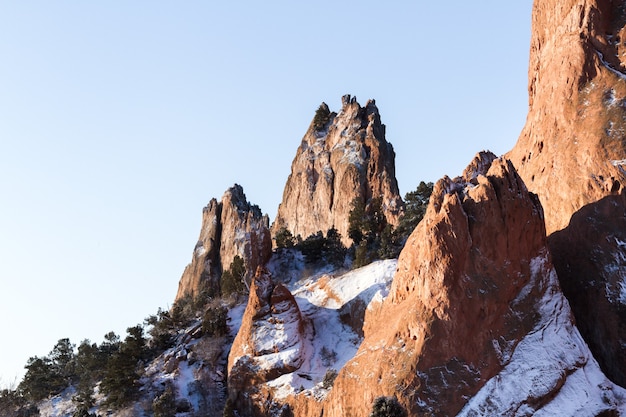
[[231, 227], [473, 282], [456, 297], [572, 154], [571, 151], [270, 343], [343, 159]]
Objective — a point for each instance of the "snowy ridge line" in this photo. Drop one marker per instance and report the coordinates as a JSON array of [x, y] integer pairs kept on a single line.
[[551, 361], [609, 67], [618, 162], [329, 342]]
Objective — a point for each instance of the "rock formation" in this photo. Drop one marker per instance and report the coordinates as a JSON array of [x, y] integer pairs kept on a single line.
[[572, 154], [590, 257], [231, 227], [342, 157], [270, 343], [473, 282], [571, 150]]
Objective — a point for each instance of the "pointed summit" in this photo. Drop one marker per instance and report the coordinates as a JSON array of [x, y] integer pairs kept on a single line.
[[342, 157], [231, 227]]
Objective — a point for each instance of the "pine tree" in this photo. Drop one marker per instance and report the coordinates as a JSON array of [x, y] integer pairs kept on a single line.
[[121, 376], [284, 239], [356, 218], [40, 381], [322, 117], [312, 247], [333, 249], [415, 204], [387, 407], [232, 280], [214, 321]]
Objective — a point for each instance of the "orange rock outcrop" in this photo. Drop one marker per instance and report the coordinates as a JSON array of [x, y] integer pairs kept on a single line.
[[347, 158], [270, 343], [464, 284], [231, 227], [572, 154]]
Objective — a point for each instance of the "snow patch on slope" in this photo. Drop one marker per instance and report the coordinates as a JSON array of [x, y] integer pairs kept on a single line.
[[277, 339], [58, 406], [330, 342], [551, 371]]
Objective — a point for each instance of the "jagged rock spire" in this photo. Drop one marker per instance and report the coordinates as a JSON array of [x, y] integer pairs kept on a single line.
[[231, 227], [345, 158]]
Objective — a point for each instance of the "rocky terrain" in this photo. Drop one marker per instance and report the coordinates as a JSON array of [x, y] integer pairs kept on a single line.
[[572, 153], [231, 227], [508, 298], [342, 157], [474, 301]]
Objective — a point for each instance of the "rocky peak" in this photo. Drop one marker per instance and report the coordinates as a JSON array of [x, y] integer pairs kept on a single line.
[[231, 227], [473, 282], [344, 159], [572, 154]]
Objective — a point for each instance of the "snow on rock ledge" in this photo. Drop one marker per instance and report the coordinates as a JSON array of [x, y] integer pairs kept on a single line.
[[270, 341], [551, 371]]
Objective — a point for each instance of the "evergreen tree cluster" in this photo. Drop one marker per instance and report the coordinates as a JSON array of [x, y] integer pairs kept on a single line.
[[373, 237], [114, 362], [415, 203], [387, 407], [316, 247], [117, 365]]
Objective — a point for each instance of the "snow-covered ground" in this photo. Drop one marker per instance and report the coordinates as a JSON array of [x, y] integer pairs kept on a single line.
[[551, 371], [330, 341]]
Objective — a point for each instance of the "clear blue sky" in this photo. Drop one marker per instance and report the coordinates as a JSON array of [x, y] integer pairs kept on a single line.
[[120, 120]]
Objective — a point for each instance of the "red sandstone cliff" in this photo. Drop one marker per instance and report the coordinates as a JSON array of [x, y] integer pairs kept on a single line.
[[571, 150], [572, 154]]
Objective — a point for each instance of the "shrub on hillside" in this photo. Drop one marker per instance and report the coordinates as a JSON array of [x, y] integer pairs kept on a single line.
[[164, 404], [321, 118], [387, 407], [329, 378], [14, 404], [232, 281], [214, 321], [318, 247], [284, 239]]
